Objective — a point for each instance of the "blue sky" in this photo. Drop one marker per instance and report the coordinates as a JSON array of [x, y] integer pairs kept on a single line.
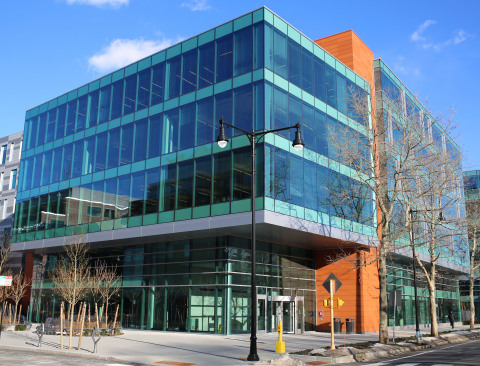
[[50, 47]]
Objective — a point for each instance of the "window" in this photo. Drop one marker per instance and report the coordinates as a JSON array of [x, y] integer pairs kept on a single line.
[[94, 211], [12, 145], [4, 154], [4, 214], [1, 181]]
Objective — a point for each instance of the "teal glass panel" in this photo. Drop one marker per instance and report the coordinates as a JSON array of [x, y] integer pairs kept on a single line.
[[140, 140], [170, 131], [152, 191], [185, 184], [187, 126], [137, 194], [61, 118], [117, 99], [168, 187], [130, 97], [173, 77], [155, 135], [126, 152], [100, 152], [243, 108], [104, 104], [280, 55], [203, 180]]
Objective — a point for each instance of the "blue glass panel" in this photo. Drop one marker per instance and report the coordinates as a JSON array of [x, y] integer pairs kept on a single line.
[[185, 184], [308, 126], [294, 115], [330, 86], [140, 150], [37, 170], [205, 121], [117, 99], [137, 194], [143, 89], [309, 184], [89, 155], [47, 168], [189, 71], [109, 199], [268, 46], [389, 87], [61, 118], [243, 108], [67, 161], [242, 173], [281, 176], [243, 61], [42, 126], [222, 177], [172, 78], [152, 203], [203, 180], [168, 187], [341, 93], [259, 110], [71, 117], [155, 135], [321, 133], [113, 150], [296, 180], [280, 108], [206, 70], [123, 196], [223, 109], [126, 151], [104, 109], [187, 126], [32, 138], [130, 94], [323, 189], [170, 131], [280, 53], [258, 45], [294, 62], [307, 71], [319, 79], [77, 158], [93, 106], [51, 120], [81, 113], [101, 152], [57, 165], [224, 58], [158, 83]]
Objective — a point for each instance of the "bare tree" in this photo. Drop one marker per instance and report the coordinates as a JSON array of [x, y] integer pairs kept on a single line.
[[18, 289], [4, 257], [71, 276], [108, 284], [385, 155]]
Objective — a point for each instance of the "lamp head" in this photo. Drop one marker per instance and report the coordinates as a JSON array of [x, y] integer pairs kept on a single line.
[[222, 138], [298, 142]]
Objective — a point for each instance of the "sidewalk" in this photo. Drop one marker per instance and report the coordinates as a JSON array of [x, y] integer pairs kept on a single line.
[[183, 349]]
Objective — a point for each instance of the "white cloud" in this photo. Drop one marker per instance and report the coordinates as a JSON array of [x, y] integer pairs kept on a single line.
[[459, 36], [402, 66], [122, 52], [99, 3], [417, 35], [196, 5]]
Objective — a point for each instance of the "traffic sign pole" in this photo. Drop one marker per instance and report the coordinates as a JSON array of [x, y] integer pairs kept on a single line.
[[332, 337]]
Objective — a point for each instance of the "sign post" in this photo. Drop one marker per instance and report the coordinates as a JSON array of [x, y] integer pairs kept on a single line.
[[5, 281], [394, 296], [332, 337]]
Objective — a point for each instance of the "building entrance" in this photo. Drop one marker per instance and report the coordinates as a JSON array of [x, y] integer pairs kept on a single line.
[[272, 309]]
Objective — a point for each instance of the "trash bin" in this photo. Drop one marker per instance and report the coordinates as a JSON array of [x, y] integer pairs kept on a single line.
[[350, 325], [337, 325]]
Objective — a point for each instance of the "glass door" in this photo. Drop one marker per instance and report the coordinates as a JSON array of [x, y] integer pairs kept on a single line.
[[288, 308], [261, 310]]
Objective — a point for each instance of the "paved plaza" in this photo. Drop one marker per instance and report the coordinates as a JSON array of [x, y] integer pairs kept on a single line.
[[137, 347]]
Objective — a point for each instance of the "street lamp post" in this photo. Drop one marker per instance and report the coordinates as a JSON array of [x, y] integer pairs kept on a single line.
[[253, 137], [412, 240]]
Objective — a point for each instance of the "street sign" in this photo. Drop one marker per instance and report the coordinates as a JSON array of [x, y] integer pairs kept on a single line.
[[326, 284], [395, 298], [5, 280]]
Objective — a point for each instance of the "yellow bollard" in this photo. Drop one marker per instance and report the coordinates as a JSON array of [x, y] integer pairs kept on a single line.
[[280, 346]]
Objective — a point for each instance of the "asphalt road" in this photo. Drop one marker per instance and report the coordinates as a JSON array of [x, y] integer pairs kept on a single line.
[[465, 354]]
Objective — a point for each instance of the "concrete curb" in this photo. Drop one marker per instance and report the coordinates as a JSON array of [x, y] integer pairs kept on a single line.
[[378, 351]]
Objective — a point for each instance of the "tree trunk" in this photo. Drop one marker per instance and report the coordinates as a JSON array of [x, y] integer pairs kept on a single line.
[[382, 274], [433, 308], [70, 338], [106, 314], [62, 316], [82, 322]]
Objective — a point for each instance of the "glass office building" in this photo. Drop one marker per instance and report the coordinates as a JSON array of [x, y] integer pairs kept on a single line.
[[130, 162]]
